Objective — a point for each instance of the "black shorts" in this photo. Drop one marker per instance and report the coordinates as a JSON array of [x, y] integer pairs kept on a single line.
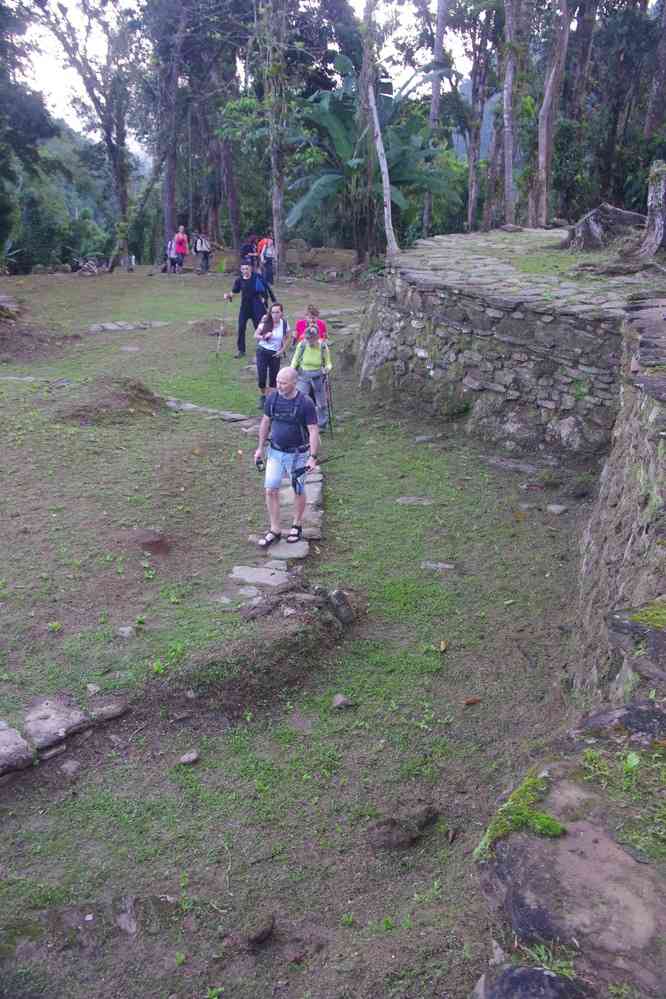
[[268, 365]]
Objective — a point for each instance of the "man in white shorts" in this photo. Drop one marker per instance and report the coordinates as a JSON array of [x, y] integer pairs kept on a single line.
[[291, 419]]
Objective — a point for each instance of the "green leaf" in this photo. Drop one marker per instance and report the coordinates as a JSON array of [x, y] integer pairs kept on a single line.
[[343, 65], [323, 187]]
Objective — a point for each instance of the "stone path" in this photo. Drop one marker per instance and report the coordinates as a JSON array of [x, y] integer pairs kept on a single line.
[[148, 324], [272, 571], [180, 406], [46, 726], [486, 264], [9, 309]]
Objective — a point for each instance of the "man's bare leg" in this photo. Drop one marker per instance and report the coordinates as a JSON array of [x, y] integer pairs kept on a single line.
[[273, 507]]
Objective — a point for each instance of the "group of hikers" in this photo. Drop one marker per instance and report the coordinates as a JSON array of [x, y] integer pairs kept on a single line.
[[295, 399], [258, 252], [274, 338]]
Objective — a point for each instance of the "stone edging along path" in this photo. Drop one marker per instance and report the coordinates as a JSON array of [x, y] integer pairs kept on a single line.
[[256, 590]]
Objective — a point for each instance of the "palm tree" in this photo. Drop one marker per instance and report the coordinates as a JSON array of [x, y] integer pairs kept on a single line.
[[341, 178]]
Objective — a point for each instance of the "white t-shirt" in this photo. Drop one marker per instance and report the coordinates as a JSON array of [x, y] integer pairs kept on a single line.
[[275, 341]]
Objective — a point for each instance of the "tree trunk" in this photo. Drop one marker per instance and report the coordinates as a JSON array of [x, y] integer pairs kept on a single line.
[[275, 40], [231, 191], [657, 104], [169, 190], [368, 97], [587, 15], [596, 229], [472, 173], [435, 99], [277, 204], [392, 248], [655, 237], [511, 39], [492, 180], [549, 105], [169, 75]]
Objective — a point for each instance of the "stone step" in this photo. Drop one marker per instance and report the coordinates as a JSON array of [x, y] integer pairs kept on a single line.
[[259, 576]]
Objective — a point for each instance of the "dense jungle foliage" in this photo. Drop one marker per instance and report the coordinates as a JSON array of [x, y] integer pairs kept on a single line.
[[251, 116]]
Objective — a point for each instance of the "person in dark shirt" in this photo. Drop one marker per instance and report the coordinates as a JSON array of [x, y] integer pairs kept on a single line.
[[291, 419], [254, 302], [248, 251]]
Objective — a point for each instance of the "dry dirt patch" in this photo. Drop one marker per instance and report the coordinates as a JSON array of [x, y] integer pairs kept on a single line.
[[110, 400]]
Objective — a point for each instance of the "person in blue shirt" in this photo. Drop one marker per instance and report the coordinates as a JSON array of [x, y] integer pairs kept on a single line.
[[291, 419], [254, 295]]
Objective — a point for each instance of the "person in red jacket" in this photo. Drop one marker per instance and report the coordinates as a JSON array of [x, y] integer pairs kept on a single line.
[[181, 246], [311, 317]]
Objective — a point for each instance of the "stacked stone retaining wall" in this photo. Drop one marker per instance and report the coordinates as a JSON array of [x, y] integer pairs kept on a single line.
[[532, 361], [622, 636]]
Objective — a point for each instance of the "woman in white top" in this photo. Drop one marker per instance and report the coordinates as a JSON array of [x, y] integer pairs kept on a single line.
[[273, 338]]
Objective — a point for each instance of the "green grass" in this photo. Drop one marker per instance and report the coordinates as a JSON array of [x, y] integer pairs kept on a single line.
[[635, 780], [277, 811]]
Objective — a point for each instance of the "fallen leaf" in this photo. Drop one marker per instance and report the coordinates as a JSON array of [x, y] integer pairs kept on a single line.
[[469, 701], [443, 646], [451, 835], [519, 515]]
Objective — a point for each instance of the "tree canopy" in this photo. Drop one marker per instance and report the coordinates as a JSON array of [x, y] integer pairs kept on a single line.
[[259, 115]]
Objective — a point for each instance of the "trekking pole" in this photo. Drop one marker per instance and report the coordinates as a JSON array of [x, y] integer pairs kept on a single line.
[[222, 330], [329, 402]]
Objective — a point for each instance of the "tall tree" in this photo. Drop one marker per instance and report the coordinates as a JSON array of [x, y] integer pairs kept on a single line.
[[24, 120], [512, 15], [548, 110], [170, 50], [479, 29], [275, 81], [435, 97], [656, 111], [105, 81], [586, 16], [369, 104]]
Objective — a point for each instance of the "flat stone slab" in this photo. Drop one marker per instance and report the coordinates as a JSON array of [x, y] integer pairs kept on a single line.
[[415, 501], [50, 721], [259, 576], [147, 324], [15, 753], [314, 492], [107, 712], [284, 550], [180, 406], [437, 566]]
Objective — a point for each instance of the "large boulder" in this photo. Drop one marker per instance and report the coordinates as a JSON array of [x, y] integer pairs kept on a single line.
[[585, 891]]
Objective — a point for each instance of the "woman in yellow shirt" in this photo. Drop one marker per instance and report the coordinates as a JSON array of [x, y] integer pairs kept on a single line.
[[312, 360]]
